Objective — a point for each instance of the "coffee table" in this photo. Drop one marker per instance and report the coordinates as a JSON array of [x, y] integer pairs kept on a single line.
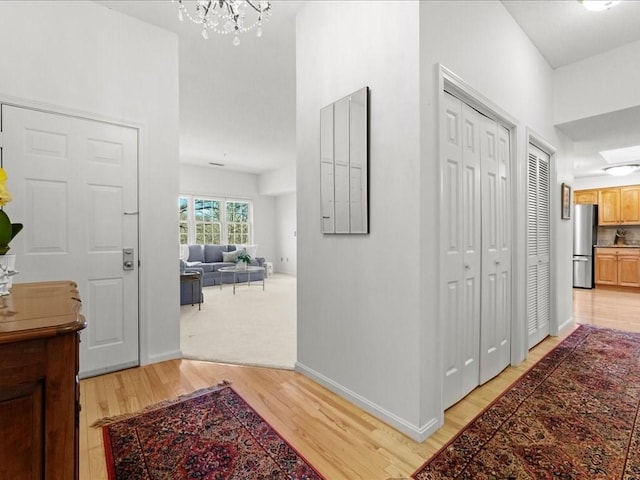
[[235, 270]]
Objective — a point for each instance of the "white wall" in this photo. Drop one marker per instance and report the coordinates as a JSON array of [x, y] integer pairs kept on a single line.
[[562, 261], [217, 182], [368, 323], [358, 295], [81, 56], [599, 84], [481, 42], [278, 182], [286, 234]]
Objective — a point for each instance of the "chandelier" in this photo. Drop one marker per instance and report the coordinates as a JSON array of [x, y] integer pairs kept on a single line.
[[226, 16]]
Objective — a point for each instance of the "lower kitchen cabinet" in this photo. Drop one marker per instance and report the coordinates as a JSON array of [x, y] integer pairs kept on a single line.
[[618, 266], [629, 268], [606, 266]]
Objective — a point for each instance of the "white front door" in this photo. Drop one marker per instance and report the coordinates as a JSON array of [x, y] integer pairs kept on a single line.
[[74, 187]]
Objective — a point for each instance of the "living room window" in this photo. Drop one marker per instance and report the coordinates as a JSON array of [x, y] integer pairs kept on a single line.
[[207, 221], [237, 222], [214, 221], [183, 211]]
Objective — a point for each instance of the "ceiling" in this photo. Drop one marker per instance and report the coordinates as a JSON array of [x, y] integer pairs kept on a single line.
[[237, 104], [565, 32]]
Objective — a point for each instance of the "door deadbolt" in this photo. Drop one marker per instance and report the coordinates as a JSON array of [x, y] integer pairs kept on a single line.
[[127, 259]]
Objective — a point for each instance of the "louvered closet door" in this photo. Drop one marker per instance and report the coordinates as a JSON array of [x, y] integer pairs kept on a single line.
[[460, 238], [538, 245]]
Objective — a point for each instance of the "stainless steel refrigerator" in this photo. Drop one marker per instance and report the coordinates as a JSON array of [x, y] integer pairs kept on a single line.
[[585, 232]]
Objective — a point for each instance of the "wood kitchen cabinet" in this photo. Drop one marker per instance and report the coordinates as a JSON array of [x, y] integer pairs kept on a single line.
[[609, 206], [618, 266], [630, 205], [629, 267], [606, 266], [39, 390], [616, 205], [585, 197]]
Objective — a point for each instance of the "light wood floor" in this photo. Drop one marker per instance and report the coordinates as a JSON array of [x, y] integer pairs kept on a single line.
[[337, 438]]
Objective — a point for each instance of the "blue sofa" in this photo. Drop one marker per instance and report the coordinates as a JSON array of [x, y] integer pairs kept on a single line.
[[211, 258]]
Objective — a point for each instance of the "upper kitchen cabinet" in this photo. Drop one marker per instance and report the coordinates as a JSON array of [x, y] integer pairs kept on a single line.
[[609, 206], [585, 197], [630, 205], [616, 205]]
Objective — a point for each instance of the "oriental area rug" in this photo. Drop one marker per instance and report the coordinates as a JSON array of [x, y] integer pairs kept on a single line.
[[208, 435], [574, 415]]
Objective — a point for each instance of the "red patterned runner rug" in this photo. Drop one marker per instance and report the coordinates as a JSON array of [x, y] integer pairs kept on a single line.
[[208, 435], [573, 415]]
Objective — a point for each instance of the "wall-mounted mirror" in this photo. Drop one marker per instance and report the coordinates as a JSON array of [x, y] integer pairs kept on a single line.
[[344, 161]]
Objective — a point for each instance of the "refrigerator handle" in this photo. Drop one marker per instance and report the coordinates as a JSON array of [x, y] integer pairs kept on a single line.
[[580, 259]]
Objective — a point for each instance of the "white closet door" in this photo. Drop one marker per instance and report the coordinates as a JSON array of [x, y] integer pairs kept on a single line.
[[538, 245], [72, 181], [495, 327], [460, 238]]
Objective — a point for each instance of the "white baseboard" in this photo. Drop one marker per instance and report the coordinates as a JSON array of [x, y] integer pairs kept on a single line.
[[567, 323], [416, 433], [162, 357]]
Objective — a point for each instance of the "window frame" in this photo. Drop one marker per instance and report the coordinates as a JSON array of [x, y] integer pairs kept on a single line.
[[192, 223]]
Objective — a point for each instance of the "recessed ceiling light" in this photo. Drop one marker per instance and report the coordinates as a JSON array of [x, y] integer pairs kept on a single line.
[[598, 5]]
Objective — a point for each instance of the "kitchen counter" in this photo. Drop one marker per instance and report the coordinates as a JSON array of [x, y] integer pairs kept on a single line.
[[616, 246]]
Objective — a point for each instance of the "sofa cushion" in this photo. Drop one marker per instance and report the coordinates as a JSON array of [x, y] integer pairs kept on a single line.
[[213, 253], [219, 265], [196, 253], [206, 267]]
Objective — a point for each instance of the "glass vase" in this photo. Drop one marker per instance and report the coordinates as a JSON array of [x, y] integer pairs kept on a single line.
[[7, 271]]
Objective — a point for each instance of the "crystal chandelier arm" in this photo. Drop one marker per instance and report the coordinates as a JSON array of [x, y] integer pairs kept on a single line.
[[206, 8], [258, 9]]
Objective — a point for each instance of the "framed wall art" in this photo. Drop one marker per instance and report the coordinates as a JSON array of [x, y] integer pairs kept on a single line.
[[566, 202]]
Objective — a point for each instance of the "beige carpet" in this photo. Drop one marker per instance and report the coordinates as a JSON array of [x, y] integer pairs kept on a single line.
[[251, 327]]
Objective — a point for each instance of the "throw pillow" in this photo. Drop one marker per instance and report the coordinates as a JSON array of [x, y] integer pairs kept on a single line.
[[231, 256], [252, 250]]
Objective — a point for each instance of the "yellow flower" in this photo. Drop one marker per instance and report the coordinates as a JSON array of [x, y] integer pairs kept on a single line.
[[8, 230], [5, 196]]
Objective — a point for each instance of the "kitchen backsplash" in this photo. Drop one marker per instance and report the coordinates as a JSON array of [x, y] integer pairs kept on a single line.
[[607, 235]]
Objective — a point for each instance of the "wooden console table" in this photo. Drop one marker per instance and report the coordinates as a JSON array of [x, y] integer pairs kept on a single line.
[[39, 389]]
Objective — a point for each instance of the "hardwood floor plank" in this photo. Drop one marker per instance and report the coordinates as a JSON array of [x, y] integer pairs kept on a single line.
[[339, 439]]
